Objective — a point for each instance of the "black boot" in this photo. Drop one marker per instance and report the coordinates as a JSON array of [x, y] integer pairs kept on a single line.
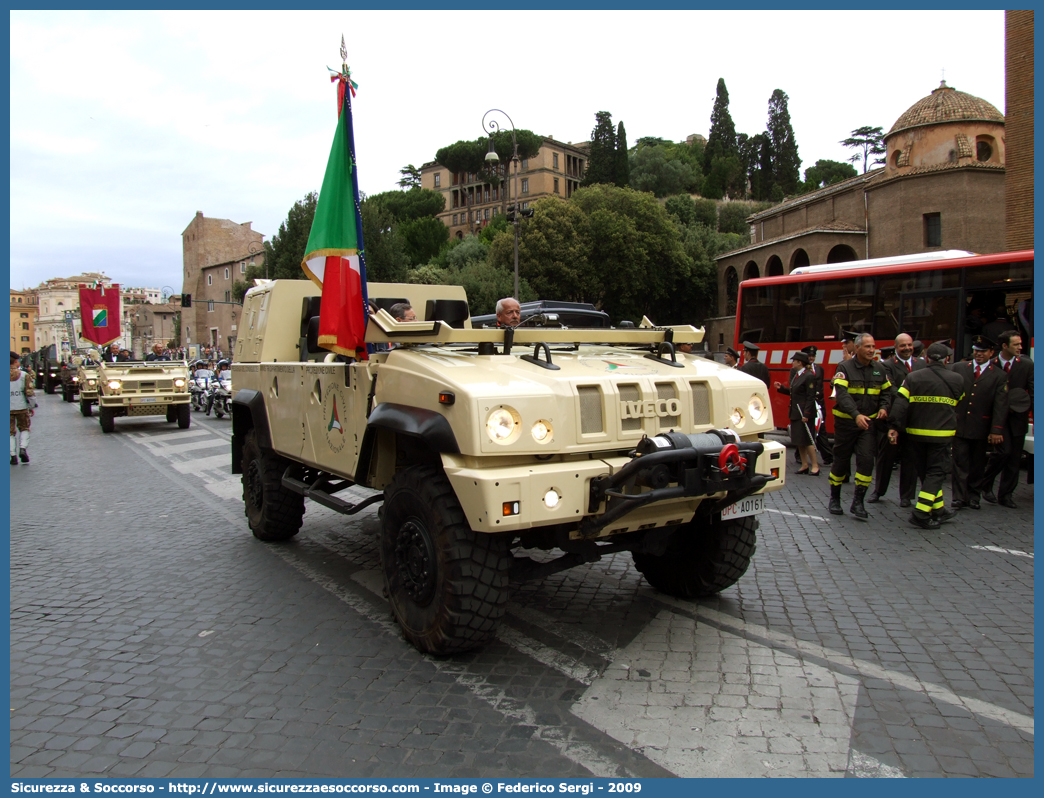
[[835, 500], [23, 455], [857, 508]]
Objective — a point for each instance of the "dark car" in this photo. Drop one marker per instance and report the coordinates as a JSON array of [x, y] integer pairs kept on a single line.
[[70, 381], [552, 313], [51, 369]]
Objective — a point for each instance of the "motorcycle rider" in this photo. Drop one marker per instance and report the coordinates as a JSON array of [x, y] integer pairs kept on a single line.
[[201, 378], [224, 372]]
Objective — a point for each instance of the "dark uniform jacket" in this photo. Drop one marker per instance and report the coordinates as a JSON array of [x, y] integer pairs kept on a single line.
[[861, 390], [756, 368], [926, 405], [153, 356], [897, 369], [1020, 378], [984, 407], [802, 393], [109, 357]]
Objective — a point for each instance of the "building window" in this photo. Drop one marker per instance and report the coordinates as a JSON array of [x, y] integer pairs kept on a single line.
[[486, 194], [454, 218], [226, 272], [932, 230], [25, 325], [525, 185], [242, 268], [983, 149], [485, 214], [556, 185], [555, 158], [525, 205], [438, 179], [25, 337], [494, 211], [210, 279], [228, 296], [23, 315], [525, 163], [495, 193]]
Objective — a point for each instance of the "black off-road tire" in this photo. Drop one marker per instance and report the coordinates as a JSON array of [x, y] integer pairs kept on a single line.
[[67, 394], [448, 585], [85, 408], [48, 387], [107, 418], [273, 512], [703, 558], [184, 416], [172, 413]]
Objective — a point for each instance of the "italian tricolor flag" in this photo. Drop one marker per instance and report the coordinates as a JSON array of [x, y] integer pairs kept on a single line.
[[334, 254]]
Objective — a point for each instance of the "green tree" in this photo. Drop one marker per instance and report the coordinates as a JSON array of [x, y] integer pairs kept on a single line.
[[726, 174], [623, 164], [868, 143], [553, 252], [416, 203], [423, 238], [287, 247], [721, 143], [601, 160], [636, 251], [470, 156], [682, 208], [384, 247], [653, 171], [411, 177], [786, 164], [825, 173]]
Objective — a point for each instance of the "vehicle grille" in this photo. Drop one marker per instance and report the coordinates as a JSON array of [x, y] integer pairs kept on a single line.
[[630, 393], [590, 410], [701, 409], [666, 390]]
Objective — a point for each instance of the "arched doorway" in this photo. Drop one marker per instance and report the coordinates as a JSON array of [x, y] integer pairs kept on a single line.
[[774, 267], [842, 253], [798, 259], [731, 290], [751, 270]]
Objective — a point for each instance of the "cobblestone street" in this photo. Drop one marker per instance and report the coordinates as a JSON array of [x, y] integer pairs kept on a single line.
[[153, 636]]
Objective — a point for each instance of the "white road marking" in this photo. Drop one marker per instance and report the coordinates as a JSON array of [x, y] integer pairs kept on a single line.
[[165, 436], [210, 443], [936, 692], [579, 636], [864, 766], [796, 515], [231, 488], [217, 462], [999, 550]]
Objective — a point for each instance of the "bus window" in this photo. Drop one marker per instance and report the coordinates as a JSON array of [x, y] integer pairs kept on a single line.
[[886, 315], [999, 275], [931, 317], [788, 314], [832, 306], [759, 314]]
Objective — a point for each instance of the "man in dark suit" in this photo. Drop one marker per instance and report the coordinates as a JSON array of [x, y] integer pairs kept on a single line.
[[157, 353], [980, 421], [898, 366], [113, 354], [753, 366], [732, 357], [1019, 371]]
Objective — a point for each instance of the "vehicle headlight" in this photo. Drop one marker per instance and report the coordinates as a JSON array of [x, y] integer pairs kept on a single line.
[[757, 409], [115, 385], [542, 431], [737, 418], [76, 379], [503, 425], [91, 383], [179, 384]]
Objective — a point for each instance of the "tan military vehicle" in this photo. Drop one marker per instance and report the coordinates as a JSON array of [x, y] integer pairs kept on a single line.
[[87, 380], [487, 443], [135, 388]]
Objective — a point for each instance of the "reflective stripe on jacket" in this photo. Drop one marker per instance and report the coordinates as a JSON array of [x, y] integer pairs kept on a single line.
[[861, 390], [926, 404]]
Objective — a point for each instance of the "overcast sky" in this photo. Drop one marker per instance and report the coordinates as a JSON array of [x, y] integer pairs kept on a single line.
[[124, 124]]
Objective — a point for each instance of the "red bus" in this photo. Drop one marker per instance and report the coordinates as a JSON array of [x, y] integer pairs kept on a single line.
[[941, 296]]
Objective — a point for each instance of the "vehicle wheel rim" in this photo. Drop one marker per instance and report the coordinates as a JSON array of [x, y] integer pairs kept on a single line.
[[255, 490], [415, 560]]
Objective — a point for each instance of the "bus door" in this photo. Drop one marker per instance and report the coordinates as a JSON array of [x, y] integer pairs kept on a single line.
[[932, 315]]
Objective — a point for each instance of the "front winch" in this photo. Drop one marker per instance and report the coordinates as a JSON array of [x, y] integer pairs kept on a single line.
[[675, 465]]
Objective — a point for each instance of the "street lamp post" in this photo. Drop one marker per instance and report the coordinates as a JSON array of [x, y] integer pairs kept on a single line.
[[493, 158]]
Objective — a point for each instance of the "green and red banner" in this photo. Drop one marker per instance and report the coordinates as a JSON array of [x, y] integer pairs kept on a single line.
[[100, 313], [334, 253]]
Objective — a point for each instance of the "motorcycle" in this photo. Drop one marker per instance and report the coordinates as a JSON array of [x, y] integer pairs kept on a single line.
[[198, 391], [221, 397]]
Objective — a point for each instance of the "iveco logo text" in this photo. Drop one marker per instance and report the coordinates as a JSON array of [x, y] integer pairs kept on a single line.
[[654, 408]]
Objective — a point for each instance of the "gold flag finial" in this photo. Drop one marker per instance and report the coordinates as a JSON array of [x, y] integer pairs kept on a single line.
[[344, 51]]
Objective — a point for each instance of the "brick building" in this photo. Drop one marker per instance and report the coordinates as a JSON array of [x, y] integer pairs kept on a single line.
[[942, 187], [216, 252], [471, 203], [1018, 105]]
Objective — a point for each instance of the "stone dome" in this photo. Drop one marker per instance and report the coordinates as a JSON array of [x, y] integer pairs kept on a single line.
[[946, 104]]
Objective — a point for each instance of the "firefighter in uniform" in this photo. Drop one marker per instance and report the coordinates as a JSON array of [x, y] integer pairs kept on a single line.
[[926, 407], [980, 421], [863, 396], [898, 366]]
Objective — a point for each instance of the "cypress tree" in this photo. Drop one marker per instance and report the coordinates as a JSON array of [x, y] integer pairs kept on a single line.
[[786, 165], [601, 163], [721, 143], [623, 165]]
